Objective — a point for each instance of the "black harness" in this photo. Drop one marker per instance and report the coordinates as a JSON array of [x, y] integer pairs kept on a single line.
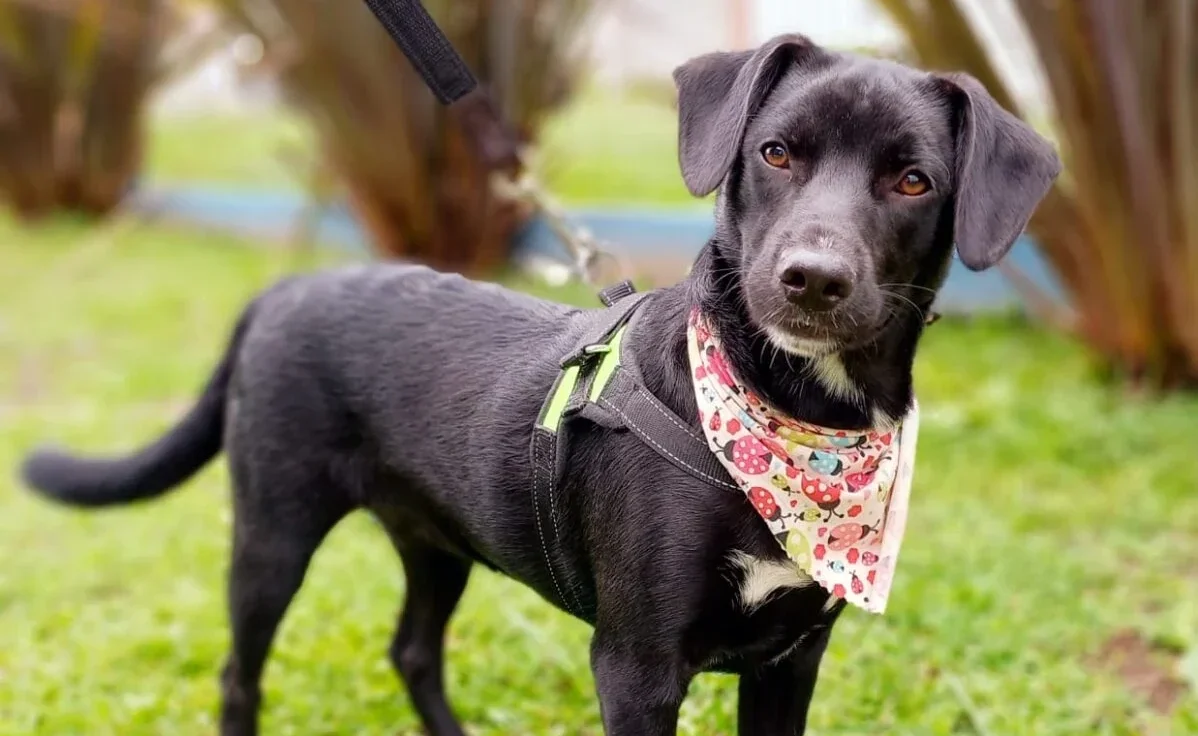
[[599, 382]]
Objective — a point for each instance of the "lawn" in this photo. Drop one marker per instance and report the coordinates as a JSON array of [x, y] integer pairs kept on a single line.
[[1053, 527], [255, 151]]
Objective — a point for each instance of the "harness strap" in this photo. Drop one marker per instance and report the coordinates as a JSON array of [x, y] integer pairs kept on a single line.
[[662, 430], [548, 448], [599, 384]]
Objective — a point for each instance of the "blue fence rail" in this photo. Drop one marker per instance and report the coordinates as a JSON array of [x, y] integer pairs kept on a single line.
[[632, 233]]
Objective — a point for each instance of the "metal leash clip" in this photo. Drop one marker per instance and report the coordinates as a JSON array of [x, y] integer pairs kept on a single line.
[[586, 254]]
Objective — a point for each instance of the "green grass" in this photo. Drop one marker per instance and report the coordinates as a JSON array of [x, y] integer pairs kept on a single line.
[[1048, 515], [609, 149], [603, 148], [247, 151]]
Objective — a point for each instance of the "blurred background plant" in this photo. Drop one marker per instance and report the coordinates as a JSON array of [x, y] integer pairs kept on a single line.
[[75, 81], [1121, 227], [409, 174]]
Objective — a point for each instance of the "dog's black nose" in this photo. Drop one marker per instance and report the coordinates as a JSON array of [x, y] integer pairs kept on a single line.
[[815, 281]]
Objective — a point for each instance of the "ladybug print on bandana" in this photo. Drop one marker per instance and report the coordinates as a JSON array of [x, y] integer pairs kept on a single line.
[[764, 501], [836, 501], [825, 463], [748, 454]]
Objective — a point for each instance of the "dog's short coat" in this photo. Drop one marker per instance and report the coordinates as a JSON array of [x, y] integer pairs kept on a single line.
[[844, 183]]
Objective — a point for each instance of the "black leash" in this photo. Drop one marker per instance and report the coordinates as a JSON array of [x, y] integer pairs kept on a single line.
[[497, 143], [438, 63], [450, 79]]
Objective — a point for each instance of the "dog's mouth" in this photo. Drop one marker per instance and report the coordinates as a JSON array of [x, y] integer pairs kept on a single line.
[[816, 335], [805, 340]]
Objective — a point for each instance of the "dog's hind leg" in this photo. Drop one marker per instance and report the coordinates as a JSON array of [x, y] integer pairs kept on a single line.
[[274, 537], [435, 583]]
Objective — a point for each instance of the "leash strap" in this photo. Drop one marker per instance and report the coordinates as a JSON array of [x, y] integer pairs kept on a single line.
[[450, 79], [413, 29]]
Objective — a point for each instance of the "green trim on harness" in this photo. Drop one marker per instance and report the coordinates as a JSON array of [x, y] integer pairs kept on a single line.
[[611, 360], [563, 387], [598, 389], [567, 380]]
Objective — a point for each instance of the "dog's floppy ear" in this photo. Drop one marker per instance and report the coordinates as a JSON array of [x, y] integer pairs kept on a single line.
[[1004, 169], [717, 94]]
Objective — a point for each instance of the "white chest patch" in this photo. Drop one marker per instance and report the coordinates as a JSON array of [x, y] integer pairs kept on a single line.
[[762, 578], [829, 370]]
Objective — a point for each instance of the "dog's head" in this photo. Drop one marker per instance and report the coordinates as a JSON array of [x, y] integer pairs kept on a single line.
[[847, 180]]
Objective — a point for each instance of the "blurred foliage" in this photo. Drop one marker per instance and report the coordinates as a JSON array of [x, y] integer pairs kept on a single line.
[[75, 78], [410, 175], [1121, 226]]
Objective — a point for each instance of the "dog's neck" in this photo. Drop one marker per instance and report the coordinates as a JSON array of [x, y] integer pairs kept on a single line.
[[866, 387]]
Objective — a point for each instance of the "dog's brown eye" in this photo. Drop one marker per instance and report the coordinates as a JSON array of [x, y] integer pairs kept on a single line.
[[775, 155], [913, 183]]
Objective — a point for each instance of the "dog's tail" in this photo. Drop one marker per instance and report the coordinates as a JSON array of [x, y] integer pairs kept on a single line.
[[153, 470]]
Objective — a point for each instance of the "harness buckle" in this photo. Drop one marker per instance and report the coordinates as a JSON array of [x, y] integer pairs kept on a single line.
[[617, 291], [585, 354]]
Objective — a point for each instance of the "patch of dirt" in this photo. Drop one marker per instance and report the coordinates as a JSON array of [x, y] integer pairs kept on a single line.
[[1147, 669]]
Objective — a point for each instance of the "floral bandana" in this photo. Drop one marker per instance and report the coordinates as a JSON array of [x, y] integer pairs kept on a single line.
[[836, 501]]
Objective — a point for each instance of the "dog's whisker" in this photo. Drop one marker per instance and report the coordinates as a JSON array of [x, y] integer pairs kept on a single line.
[[907, 286], [891, 312], [904, 300], [718, 281]]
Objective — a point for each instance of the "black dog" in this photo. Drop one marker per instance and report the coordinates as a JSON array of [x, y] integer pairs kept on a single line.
[[844, 184]]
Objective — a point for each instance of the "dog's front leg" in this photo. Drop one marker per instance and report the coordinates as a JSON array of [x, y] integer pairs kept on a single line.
[[774, 699], [640, 687]]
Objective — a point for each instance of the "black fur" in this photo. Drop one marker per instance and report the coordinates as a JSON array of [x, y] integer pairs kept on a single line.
[[412, 394]]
